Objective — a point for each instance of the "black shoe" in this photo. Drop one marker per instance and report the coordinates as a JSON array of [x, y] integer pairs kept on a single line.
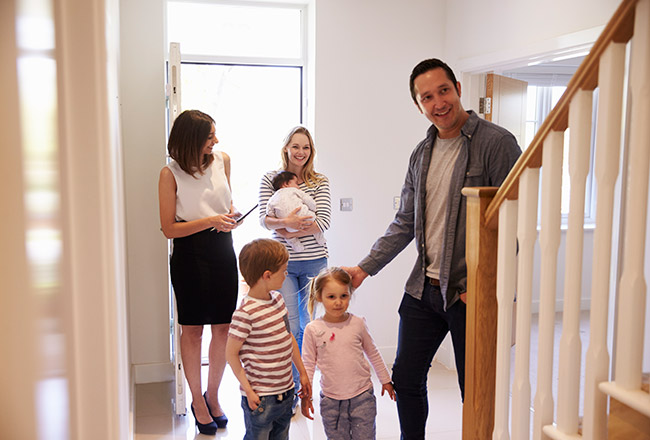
[[220, 421], [205, 428]]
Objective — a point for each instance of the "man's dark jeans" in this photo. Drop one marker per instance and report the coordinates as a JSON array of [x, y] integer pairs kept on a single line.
[[423, 326]]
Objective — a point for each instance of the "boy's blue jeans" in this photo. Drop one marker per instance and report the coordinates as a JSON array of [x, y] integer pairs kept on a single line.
[[271, 420]]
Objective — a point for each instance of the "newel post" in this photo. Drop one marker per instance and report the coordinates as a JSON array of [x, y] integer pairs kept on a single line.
[[480, 350]]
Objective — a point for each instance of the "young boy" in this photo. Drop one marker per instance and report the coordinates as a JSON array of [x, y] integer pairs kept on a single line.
[[260, 339]]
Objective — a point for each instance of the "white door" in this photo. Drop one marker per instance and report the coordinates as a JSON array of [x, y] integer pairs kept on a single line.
[[508, 104]]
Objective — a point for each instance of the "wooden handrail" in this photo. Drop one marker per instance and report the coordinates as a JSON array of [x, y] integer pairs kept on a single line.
[[619, 30]]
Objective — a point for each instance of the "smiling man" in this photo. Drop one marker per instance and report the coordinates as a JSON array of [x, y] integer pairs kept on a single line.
[[460, 149]]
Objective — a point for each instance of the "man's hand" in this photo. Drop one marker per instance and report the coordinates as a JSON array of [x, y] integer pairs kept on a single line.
[[357, 274]]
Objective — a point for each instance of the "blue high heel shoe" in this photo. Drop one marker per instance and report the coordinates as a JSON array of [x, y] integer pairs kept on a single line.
[[220, 421], [205, 428]]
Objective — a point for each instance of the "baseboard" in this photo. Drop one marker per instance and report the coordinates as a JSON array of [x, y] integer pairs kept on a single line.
[[151, 373], [585, 304]]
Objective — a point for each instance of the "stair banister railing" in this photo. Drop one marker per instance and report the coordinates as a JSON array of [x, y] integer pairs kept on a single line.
[[632, 291], [514, 206]]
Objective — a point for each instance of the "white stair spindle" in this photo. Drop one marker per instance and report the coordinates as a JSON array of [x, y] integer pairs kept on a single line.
[[506, 280], [526, 236], [632, 291], [610, 98], [568, 398], [549, 239]]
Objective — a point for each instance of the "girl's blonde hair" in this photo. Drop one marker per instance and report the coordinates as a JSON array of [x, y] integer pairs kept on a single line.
[[317, 283], [309, 175]]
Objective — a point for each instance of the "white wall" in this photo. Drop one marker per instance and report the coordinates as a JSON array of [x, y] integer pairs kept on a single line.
[[142, 100], [489, 29], [365, 127]]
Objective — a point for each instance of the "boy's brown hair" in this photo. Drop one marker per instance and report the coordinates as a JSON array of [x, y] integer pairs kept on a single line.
[[261, 255]]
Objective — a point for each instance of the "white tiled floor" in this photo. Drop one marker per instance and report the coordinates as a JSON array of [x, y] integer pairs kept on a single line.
[[154, 418]]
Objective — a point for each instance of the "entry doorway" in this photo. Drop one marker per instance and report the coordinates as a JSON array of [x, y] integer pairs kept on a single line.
[[254, 107], [244, 64]]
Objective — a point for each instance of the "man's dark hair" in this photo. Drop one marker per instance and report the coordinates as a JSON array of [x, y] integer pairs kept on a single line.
[[427, 65], [281, 178]]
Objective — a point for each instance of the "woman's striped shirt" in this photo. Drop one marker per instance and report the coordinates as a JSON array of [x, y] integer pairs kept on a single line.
[[266, 353], [320, 192]]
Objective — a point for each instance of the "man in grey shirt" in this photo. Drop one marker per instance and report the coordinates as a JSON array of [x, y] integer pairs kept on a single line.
[[460, 149]]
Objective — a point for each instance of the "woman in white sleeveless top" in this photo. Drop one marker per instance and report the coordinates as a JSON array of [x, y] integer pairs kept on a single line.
[[196, 211]]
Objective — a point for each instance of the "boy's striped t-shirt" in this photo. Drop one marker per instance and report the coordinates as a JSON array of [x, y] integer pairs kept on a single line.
[[266, 352]]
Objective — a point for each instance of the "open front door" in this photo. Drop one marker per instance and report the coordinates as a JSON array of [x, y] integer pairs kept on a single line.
[[507, 98], [174, 108]]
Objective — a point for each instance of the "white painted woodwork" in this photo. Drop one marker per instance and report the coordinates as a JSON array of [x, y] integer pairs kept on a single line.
[[632, 291], [506, 282], [174, 92], [549, 239], [509, 105], [93, 219], [526, 236], [610, 79], [568, 398], [20, 317]]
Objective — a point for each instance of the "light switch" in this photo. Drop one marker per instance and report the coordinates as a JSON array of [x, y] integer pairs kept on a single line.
[[346, 204]]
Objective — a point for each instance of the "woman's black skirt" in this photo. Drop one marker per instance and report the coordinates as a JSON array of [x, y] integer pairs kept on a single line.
[[204, 277]]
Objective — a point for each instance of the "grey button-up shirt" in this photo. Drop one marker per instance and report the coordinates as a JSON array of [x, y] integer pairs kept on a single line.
[[487, 155]]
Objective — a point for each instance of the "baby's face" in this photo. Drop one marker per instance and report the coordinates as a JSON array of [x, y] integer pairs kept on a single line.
[[293, 183]]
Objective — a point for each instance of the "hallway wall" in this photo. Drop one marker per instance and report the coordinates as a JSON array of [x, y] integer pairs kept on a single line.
[[500, 30], [364, 122]]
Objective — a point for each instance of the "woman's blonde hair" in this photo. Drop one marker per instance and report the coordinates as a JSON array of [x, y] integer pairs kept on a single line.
[[309, 175], [317, 283]]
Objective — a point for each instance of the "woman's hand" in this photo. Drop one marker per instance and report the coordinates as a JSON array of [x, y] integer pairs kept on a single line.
[[223, 222], [295, 221]]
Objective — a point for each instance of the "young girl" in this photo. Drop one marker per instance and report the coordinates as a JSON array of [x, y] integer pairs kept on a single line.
[[336, 342]]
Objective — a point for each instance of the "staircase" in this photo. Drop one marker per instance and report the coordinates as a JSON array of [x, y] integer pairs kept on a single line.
[[626, 423], [502, 228]]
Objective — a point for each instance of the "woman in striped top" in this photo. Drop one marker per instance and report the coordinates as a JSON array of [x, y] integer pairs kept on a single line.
[[298, 157]]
